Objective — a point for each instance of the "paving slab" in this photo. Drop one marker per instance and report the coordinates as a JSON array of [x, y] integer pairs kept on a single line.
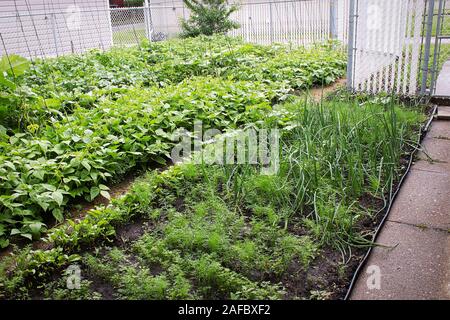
[[438, 148], [423, 200], [443, 115], [443, 80], [436, 145], [414, 265], [444, 108], [414, 256], [439, 129], [434, 157]]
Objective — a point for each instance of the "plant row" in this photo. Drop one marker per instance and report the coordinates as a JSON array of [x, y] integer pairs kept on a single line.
[[76, 156], [50, 88]]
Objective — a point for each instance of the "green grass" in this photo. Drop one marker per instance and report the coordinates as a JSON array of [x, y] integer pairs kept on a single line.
[[445, 28], [444, 55], [129, 37]]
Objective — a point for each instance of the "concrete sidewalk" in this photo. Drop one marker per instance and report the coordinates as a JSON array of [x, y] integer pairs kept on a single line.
[[443, 81], [414, 262]]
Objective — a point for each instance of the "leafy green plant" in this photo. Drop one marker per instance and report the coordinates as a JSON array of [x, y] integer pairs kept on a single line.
[[57, 290], [43, 172], [13, 96], [217, 231], [55, 87]]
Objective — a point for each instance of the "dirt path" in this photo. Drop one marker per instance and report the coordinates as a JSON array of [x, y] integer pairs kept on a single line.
[[414, 261], [320, 93]]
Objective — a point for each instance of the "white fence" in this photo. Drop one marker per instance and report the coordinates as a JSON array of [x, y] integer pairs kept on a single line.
[[297, 22], [300, 22]]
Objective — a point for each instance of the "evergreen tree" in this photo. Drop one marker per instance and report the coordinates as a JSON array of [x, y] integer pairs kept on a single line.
[[208, 17]]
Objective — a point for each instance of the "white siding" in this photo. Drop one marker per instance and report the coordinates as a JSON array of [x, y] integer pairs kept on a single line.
[[37, 28]]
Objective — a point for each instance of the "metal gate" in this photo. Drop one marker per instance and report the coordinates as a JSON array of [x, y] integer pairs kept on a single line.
[[439, 77], [400, 47], [385, 39]]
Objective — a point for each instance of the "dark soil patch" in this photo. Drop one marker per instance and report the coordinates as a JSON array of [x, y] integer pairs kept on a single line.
[[294, 280], [325, 278], [180, 205], [320, 93], [101, 286], [297, 227], [132, 231], [328, 273], [79, 210]]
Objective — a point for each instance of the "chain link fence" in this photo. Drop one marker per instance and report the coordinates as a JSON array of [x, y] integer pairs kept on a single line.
[[33, 30], [394, 46], [296, 22], [128, 26], [300, 22]]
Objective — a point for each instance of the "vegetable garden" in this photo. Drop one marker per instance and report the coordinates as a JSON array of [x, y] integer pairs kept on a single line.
[[71, 127]]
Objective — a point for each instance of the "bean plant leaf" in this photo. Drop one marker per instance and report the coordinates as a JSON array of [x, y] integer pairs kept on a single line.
[[29, 236], [95, 191], [14, 65], [105, 194], [58, 197], [36, 227], [86, 164], [4, 243], [58, 214], [7, 83]]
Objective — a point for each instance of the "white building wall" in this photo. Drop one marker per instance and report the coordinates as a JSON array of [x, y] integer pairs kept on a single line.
[[38, 28]]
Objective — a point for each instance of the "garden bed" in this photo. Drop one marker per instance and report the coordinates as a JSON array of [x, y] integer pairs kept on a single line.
[[73, 124], [196, 231]]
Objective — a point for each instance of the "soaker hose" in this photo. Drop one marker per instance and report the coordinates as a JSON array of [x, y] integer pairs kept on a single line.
[[363, 262]]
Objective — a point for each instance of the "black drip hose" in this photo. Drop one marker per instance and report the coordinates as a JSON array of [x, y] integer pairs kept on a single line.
[[363, 262]]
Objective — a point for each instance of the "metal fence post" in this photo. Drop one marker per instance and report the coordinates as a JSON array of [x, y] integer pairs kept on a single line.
[[111, 36], [437, 46], [148, 21], [333, 19], [426, 58], [55, 39], [351, 43], [271, 23]]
